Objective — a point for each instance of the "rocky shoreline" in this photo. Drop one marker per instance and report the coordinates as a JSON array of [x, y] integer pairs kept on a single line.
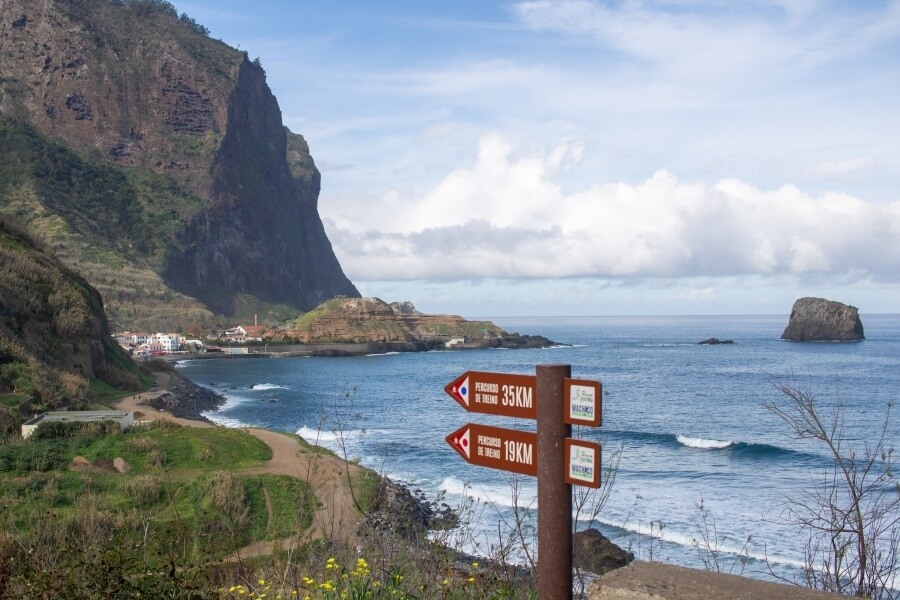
[[187, 400]]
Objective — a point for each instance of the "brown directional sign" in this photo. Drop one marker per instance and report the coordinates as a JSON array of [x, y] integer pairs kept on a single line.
[[583, 402], [582, 464], [496, 447], [495, 394]]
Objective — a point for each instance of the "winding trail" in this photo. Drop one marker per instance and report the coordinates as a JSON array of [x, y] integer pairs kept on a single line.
[[336, 518]]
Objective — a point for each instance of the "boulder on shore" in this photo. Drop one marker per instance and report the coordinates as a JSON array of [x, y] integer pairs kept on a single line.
[[820, 320], [595, 552]]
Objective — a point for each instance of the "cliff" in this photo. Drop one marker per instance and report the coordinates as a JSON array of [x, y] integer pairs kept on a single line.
[[153, 160], [820, 320], [54, 337]]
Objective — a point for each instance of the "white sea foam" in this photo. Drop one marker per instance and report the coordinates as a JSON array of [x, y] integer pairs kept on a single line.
[[223, 421], [702, 443], [267, 386], [382, 354], [499, 495], [325, 437], [689, 540]]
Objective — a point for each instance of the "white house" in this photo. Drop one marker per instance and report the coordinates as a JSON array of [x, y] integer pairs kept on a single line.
[[166, 342]]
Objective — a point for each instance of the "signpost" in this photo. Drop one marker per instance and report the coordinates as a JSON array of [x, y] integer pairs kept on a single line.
[[497, 448], [495, 394], [556, 402]]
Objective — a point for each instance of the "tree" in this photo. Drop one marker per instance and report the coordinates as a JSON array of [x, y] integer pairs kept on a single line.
[[851, 516]]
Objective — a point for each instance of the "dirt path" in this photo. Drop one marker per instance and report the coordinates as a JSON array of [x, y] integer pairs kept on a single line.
[[336, 518]]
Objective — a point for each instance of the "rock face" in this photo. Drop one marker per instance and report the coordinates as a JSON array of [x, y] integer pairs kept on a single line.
[[820, 320], [155, 161]]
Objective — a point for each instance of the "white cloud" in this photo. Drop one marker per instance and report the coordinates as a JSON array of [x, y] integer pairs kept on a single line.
[[506, 216]]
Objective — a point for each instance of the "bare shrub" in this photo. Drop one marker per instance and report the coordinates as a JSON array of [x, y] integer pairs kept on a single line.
[[145, 490], [142, 444], [228, 496], [851, 516], [156, 458]]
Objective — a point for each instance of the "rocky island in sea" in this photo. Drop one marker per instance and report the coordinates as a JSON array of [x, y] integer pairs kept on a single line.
[[821, 320]]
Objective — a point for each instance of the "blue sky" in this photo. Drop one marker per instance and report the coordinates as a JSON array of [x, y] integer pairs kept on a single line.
[[595, 158]]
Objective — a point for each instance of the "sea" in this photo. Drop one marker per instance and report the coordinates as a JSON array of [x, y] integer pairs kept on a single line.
[[702, 468]]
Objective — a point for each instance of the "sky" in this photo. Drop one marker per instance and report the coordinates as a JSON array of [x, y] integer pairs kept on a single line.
[[622, 157]]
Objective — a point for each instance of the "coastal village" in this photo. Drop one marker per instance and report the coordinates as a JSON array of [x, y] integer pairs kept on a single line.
[[140, 344]]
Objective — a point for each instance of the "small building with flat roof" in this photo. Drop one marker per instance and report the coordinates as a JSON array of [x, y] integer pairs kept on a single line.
[[123, 418]]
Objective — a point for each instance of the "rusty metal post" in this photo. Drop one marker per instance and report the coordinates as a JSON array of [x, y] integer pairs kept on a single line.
[[554, 494]]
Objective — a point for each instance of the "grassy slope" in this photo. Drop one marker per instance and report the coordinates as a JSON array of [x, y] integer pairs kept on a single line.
[[187, 478]]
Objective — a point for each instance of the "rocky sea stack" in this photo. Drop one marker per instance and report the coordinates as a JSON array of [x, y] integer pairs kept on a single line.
[[820, 320]]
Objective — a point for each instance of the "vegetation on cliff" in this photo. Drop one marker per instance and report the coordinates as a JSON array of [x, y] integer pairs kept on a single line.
[[55, 347]]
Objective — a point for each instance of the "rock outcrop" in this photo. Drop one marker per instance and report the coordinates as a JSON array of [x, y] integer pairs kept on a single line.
[[820, 320], [715, 342], [187, 400], [594, 552], [374, 321]]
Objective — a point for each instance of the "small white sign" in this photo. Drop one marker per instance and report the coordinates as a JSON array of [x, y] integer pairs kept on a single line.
[[583, 464], [582, 403]]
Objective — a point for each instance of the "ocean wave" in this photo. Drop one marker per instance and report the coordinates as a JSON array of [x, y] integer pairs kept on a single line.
[[383, 353], [750, 450], [702, 443], [268, 386]]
